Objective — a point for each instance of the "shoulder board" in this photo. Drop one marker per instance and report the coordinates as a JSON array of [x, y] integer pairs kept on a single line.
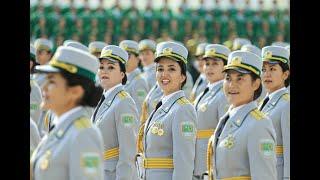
[[258, 115], [82, 123], [138, 77], [286, 97], [183, 101], [123, 95]]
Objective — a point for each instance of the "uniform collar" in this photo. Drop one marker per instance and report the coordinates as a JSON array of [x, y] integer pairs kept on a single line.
[[168, 101], [275, 96], [215, 85], [133, 74], [109, 91], [275, 92], [58, 120], [203, 76], [149, 67], [238, 114]]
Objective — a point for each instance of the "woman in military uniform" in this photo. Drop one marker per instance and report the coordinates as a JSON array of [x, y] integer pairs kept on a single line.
[[116, 115], [136, 85], [211, 104], [74, 148], [276, 105], [243, 145], [166, 142]]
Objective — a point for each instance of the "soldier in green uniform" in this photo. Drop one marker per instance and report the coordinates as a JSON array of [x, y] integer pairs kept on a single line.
[[276, 105], [74, 147]]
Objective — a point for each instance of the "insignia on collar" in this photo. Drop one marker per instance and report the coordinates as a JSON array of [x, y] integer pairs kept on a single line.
[[286, 97], [258, 115], [82, 123]]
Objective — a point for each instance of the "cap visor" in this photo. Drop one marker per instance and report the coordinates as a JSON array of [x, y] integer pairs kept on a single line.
[[240, 70], [109, 59], [170, 57], [46, 69]]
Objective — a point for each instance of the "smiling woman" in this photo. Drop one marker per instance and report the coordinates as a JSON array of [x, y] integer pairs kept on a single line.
[[244, 136], [166, 141]]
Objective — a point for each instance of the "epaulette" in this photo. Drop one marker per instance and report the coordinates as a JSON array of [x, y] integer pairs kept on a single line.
[[258, 115], [123, 94], [183, 101], [286, 97], [82, 123], [138, 77]]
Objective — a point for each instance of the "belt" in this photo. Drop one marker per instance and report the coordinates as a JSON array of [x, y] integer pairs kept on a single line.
[[158, 163], [279, 150], [111, 153], [237, 178], [201, 134]]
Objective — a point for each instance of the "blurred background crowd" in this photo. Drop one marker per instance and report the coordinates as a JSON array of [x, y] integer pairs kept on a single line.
[[187, 21]]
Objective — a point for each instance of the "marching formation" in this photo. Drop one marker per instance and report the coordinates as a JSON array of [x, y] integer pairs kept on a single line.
[[133, 111]]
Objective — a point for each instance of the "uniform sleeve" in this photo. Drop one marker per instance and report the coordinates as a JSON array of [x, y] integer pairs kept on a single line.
[[261, 150], [34, 135], [127, 123], [184, 139], [285, 129], [86, 156], [140, 93]]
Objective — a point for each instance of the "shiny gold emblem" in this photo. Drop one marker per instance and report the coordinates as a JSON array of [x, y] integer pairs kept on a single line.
[[203, 107], [107, 53], [236, 60], [211, 52], [267, 55], [124, 46], [154, 130], [229, 142], [44, 164], [160, 132], [167, 51]]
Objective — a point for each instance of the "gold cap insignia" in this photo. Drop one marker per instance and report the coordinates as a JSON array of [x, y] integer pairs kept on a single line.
[[107, 53], [211, 52], [124, 46], [236, 60], [267, 55], [167, 51]]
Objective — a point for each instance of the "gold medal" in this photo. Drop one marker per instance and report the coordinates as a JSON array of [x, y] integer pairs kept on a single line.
[[154, 130], [44, 164], [203, 108], [160, 132]]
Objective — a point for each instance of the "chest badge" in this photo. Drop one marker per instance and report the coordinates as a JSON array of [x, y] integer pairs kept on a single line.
[[157, 129], [44, 164], [203, 107], [229, 142]]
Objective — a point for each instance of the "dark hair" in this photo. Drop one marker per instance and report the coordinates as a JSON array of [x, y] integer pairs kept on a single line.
[[123, 69], [257, 92], [285, 67], [92, 93], [183, 67], [34, 63]]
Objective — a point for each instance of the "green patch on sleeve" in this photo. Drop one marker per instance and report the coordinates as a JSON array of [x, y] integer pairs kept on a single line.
[[141, 94], [187, 129], [90, 163], [127, 119], [267, 147]]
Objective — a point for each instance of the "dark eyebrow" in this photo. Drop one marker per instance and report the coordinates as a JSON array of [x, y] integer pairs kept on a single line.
[[171, 65]]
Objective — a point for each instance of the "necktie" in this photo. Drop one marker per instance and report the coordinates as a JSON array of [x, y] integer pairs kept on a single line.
[[157, 107], [264, 103], [98, 106], [204, 92], [222, 126], [51, 127]]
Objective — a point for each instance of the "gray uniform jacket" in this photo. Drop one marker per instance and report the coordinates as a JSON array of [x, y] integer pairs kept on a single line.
[[34, 136], [187, 88], [246, 145], [150, 75], [35, 101], [137, 87], [73, 150], [153, 98], [177, 120], [212, 106], [117, 119], [278, 109], [198, 87]]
